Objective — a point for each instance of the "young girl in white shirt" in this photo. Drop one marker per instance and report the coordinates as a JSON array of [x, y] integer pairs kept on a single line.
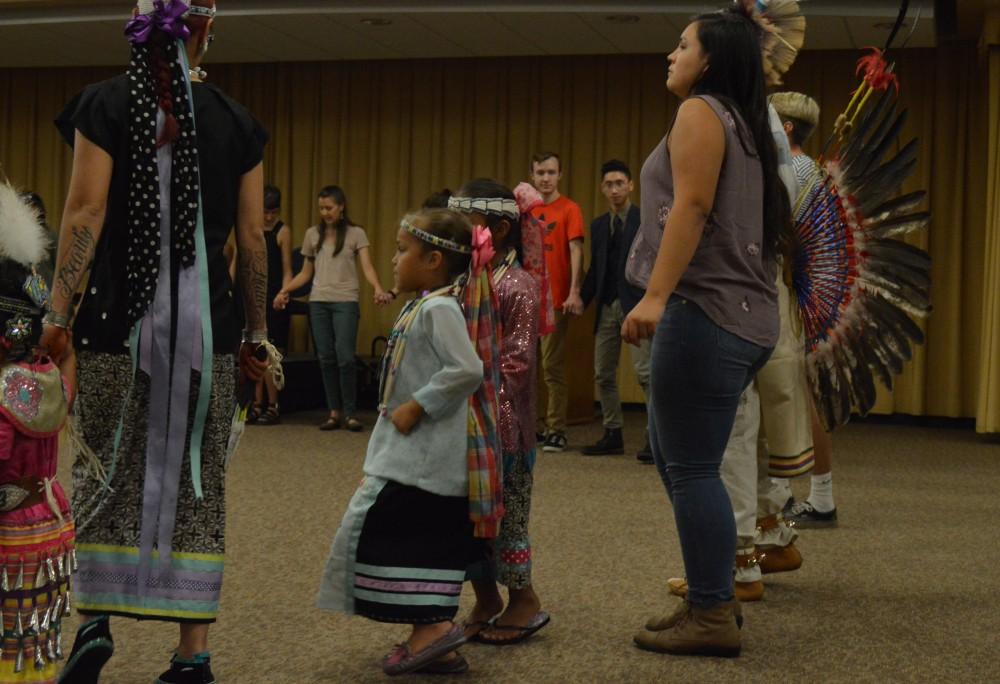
[[408, 535]]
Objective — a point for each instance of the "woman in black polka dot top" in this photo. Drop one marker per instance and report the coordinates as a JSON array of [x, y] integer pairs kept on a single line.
[[164, 166]]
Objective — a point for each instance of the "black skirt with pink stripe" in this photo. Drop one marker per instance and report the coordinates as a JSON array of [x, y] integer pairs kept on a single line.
[[400, 555]]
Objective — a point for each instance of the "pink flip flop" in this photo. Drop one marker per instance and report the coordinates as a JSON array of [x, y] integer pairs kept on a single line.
[[401, 660]]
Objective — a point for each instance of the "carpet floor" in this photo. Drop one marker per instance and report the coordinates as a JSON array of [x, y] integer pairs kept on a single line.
[[904, 590]]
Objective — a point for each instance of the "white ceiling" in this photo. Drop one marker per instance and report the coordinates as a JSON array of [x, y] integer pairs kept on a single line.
[[49, 33]]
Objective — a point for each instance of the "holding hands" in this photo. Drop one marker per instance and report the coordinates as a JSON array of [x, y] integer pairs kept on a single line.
[[384, 298], [281, 301], [573, 304]]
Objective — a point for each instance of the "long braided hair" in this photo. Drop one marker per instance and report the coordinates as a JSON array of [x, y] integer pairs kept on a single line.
[[159, 66], [158, 82]]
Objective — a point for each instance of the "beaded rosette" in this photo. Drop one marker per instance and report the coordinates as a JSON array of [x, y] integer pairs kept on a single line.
[[33, 397]]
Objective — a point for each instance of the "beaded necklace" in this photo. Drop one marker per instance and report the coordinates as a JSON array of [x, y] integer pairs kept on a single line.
[[397, 344], [504, 266]]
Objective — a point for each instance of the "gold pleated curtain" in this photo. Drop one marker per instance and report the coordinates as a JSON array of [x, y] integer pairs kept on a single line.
[[988, 413], [392, 132]]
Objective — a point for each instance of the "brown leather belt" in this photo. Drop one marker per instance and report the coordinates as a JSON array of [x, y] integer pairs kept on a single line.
[[22, 493]]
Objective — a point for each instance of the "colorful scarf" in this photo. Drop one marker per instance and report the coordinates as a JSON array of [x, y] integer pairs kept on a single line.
[[479, 303]]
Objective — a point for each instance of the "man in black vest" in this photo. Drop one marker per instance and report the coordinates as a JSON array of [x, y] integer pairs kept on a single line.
[[611, 236]]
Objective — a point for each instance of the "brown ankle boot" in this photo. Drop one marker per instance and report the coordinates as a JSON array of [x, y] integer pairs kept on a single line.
[[700, 631], [658, 624], [779, 559]]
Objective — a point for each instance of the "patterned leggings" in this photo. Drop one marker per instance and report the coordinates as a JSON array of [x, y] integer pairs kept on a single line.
[[513, 547]]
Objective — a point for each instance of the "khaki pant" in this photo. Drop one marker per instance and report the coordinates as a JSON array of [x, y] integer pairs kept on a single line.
[[607, 352], [784, 397], [753, 494], [554, 374], [772, 421]]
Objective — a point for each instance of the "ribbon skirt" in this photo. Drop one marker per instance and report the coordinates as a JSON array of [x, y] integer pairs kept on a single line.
[[109, 519]]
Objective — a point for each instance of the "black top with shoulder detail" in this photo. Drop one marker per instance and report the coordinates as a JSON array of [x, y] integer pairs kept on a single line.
[[230, 143]]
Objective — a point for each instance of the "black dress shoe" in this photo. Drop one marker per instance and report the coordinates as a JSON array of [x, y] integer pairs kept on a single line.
[[91, 650], [610, 443], [645, 455]]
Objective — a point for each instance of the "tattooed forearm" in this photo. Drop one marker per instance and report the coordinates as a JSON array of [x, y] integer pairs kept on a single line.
[[74, 260], [253, 282]]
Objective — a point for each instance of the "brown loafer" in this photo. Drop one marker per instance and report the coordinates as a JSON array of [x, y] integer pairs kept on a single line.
[[779, 559]]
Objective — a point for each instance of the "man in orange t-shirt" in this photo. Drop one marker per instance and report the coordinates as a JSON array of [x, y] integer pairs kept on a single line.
[[563, 223]]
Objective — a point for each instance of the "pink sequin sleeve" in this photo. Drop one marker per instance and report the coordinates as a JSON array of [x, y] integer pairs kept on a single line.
[[517, 294]]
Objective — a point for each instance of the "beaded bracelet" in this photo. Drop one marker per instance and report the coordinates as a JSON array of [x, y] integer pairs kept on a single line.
[[254, 336], [54, 318]]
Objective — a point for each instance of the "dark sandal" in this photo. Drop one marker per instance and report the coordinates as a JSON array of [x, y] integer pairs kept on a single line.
[[253, 415], [271, 416], [540, 620], [330, 424], [354, 425], [477, 627]]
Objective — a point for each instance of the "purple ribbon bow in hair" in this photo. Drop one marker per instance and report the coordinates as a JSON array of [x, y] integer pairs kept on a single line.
[[169, 20]]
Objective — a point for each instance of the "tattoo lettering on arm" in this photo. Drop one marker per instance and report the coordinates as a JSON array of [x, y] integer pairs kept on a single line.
[[253, 280], [75, 263]]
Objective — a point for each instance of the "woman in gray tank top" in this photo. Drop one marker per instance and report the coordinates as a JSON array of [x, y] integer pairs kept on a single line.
[[714, 218]]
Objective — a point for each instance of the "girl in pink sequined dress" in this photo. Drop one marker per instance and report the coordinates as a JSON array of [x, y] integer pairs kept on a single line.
[[521, 312]]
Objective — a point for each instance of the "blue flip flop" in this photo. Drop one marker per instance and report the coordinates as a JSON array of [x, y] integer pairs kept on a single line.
[[540, 620]]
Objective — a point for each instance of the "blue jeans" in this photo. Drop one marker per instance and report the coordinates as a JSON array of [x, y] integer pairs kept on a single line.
[[698, 373], [335, 334]]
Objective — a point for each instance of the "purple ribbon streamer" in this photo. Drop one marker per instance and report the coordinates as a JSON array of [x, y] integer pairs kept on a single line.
[[169, 20], [170, 387]]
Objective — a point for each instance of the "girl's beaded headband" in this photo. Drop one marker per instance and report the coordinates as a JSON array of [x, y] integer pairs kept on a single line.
[[443, 243], [498, 206]]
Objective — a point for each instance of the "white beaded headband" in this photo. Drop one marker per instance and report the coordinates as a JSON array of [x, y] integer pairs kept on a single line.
[[200, 11], [497, 206], [148, 7], [443, 243]]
